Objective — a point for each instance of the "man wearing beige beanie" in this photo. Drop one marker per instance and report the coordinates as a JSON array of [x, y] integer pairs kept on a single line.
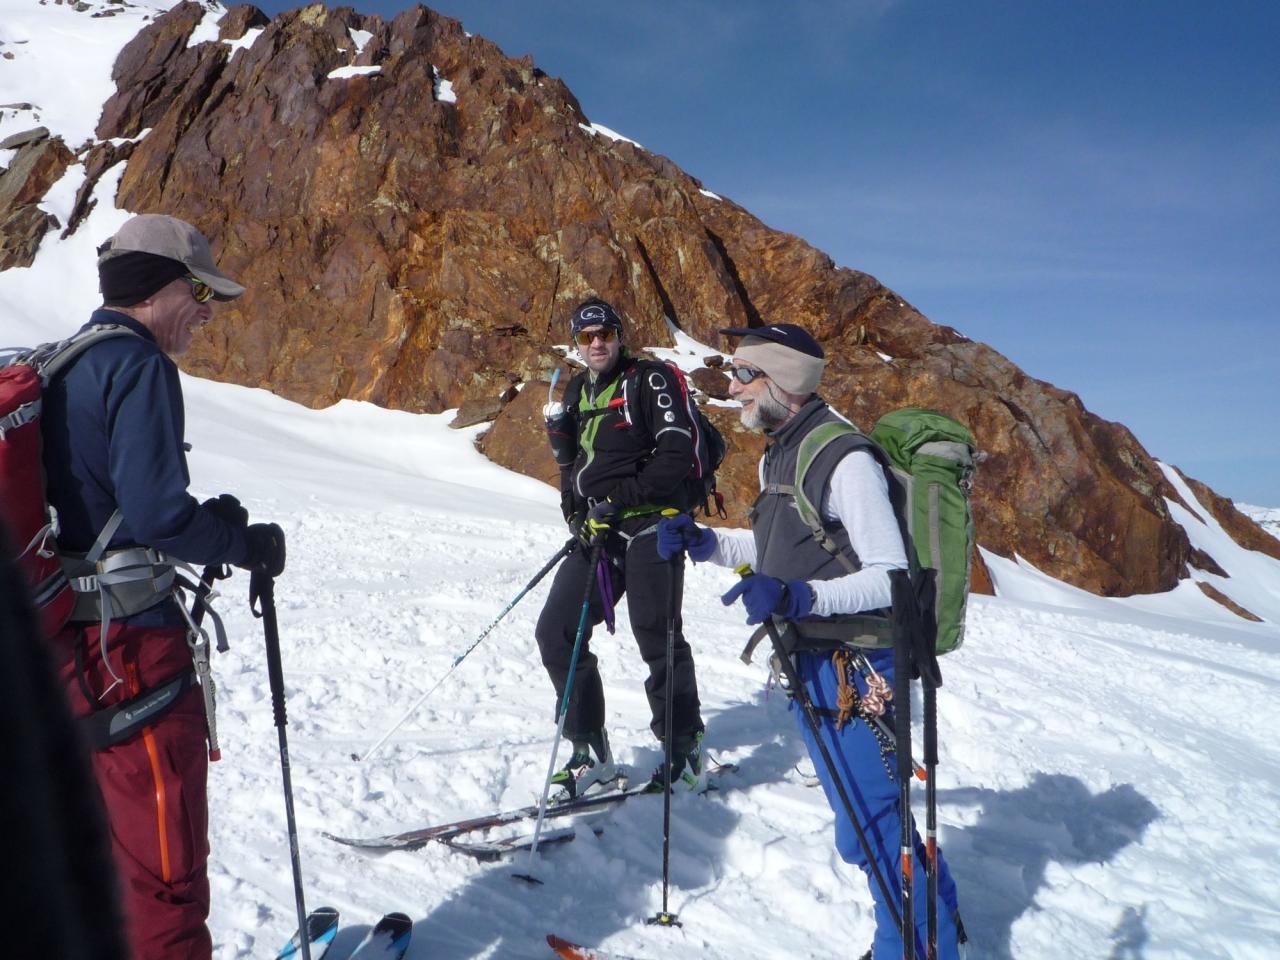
[[814, 590]]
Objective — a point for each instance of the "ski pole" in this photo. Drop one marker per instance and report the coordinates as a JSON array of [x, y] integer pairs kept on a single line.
[[262, 591], [931, 813], [593, 560], [674, 590], [926, 665], [811, 721], [903, 623], [537, 577]]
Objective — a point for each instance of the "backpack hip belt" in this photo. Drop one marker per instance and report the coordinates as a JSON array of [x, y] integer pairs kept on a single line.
[[818, 634], [122, 583], [132, 580]]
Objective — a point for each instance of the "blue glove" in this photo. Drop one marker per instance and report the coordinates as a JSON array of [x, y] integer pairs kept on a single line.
[[681, 533], [763, 596]]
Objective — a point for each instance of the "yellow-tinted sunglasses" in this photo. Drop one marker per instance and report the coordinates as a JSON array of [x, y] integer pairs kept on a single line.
[[584, 338], [201, 292]]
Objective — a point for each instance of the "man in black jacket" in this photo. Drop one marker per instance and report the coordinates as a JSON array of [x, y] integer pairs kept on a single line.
[[625, 447]]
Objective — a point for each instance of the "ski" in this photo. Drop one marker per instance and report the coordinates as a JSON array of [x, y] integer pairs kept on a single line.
[[489, 850], [322, 927], [572, 951], [415, 839], [388, 940]]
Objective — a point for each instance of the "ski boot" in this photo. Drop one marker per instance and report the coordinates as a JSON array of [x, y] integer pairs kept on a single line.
[[582, 772], [688, 767]]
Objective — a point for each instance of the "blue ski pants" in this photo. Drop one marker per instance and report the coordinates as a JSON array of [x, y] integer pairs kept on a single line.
[[871, 783]]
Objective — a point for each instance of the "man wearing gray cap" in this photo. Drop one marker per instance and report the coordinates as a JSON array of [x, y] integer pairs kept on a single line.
[[813, 587], [117, 475]]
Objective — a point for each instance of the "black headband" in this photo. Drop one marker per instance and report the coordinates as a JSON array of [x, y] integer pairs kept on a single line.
[[130, 278]]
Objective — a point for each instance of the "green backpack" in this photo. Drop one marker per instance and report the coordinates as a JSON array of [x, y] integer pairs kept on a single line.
[[929, 459]]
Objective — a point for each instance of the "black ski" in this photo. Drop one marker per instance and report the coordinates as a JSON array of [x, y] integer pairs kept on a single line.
[[415, 839]]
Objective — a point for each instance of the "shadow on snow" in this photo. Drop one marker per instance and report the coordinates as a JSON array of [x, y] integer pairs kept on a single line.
[[999, 863]]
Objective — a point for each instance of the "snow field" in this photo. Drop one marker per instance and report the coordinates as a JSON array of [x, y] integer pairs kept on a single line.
[[1109, 781], [1108, 774]]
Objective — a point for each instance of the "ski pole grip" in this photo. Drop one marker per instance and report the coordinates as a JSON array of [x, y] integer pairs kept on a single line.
[[262, 589]]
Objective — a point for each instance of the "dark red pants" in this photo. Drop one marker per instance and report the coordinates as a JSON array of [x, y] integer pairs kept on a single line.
[[153, 786]]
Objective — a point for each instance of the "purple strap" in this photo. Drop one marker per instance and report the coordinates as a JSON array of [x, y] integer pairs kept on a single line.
[[605, 582]]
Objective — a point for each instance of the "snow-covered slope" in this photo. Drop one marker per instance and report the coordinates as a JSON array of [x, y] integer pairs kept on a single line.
[[1110, 777]]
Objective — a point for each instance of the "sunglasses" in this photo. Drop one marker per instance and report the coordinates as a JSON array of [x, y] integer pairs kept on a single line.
[[584, 338], [201, 292], [745, 375]]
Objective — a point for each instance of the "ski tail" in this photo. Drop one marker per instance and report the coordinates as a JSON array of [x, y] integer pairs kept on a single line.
[[322, 927]]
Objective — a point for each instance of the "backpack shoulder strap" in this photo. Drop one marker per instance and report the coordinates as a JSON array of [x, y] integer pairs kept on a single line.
[[573, 393], [52, 360], [814, 442]]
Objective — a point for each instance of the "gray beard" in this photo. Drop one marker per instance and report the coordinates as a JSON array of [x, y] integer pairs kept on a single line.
[[767, 413]]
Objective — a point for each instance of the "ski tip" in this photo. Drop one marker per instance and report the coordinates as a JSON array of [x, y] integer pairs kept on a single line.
[[528, 878], [567, 950]]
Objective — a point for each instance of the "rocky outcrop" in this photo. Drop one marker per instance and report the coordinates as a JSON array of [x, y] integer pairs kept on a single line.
[[1242, 529], [414, 232], [1216, 595], [39, 163]]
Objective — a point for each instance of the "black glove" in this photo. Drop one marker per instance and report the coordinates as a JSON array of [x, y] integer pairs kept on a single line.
[[598, 522], [266, 549], [227, 509], [562, 434]]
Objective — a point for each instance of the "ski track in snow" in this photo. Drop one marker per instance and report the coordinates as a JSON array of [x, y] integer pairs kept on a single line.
[[1109, 780]]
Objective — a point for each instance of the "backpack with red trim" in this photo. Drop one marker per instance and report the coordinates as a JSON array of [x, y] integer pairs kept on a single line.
[[708, 442], [708, 449], [31, 520]]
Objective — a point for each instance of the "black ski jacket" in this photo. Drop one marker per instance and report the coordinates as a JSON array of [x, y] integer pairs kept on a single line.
[[634, 440]]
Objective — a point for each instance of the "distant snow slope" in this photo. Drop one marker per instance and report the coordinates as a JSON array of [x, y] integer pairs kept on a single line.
[[1110, 773], [1267, 517]]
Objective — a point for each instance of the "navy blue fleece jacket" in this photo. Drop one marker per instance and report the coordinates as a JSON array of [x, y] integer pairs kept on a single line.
[[113, 436]]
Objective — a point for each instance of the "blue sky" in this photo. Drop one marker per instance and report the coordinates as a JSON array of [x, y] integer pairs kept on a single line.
[[1092, 188]]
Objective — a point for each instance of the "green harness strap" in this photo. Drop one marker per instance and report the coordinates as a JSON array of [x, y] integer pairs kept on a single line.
[[589, 414]]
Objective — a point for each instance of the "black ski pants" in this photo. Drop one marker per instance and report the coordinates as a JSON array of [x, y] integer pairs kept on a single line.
[[634, 567]]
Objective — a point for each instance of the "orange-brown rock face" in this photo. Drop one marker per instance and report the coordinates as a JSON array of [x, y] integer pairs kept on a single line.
[[421, 251], [38, 164]]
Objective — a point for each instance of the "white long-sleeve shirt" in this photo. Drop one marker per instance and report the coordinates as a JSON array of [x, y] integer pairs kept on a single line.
[[860, 501]]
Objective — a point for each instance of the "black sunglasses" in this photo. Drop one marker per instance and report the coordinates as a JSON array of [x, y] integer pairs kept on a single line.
[[745, 375]]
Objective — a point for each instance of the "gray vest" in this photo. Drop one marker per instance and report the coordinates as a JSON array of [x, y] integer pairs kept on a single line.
[[785, 546]]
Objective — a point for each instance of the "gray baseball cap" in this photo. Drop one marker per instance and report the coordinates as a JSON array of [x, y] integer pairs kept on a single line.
[[165, 236]]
